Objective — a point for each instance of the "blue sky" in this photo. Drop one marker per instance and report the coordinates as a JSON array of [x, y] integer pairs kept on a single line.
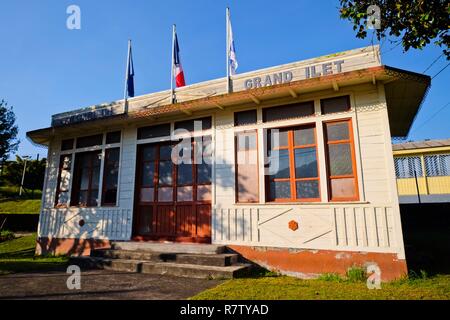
[[46, 68]]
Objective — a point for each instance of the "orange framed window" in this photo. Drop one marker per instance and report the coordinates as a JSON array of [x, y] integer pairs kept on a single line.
[[341, 161], [293, 165], [247, 182]]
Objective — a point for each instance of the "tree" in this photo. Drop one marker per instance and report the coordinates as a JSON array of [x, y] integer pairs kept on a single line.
[[8, 131], [416, 22]]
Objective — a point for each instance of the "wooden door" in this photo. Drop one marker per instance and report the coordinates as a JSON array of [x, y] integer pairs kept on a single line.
[[173, 200]]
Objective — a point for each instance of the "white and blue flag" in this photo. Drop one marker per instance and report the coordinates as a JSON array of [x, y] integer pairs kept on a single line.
[[232, 60]]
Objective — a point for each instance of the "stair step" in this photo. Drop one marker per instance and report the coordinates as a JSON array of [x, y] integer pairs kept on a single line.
[[222, 259], [162, 268], [194, 271], [169, 247]]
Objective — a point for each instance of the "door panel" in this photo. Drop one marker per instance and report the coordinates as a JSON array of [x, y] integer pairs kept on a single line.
[[170, 204]]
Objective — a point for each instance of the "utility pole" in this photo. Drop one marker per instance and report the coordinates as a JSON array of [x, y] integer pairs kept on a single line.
[[25, 158]]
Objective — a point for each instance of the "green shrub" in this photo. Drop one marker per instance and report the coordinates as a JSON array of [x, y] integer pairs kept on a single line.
[[6, 235], [330, 277], [356, 274]]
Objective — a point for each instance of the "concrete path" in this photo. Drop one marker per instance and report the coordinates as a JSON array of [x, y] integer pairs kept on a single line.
[[101, 285]]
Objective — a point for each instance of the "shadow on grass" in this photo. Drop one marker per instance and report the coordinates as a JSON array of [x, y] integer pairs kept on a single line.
[[31, 266], [20, 254]]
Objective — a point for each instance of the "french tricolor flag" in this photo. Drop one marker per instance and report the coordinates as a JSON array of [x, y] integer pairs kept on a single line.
[[177, 68]]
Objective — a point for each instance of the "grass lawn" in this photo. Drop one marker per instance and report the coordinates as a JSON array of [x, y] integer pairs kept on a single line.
[[20, 206], [18, 256], [287, 288]]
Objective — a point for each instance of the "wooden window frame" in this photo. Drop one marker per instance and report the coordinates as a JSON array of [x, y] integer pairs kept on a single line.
[[237, 113], [75, 192], [354, 175], [349, 105], [291, 147], [255, 131], [156, 185]]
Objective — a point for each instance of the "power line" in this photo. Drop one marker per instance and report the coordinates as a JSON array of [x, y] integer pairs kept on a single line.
[[433, 62], [426, 121], [448, 64]]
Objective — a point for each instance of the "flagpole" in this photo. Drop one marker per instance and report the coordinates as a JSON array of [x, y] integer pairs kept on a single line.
[[172, 88], [228, 49], [125, 94]]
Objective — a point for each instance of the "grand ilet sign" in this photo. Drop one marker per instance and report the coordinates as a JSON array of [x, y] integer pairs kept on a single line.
[[315, 71]]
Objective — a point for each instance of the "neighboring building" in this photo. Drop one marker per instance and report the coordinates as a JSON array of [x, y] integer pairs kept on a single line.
[[423, 171], [301, 180]]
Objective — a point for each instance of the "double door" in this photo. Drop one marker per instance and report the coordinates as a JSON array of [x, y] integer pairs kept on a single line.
[[173, 191]]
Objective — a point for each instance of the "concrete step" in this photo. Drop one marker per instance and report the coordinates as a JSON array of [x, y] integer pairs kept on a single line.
[[162, 268], [222, 259], [169, 247]]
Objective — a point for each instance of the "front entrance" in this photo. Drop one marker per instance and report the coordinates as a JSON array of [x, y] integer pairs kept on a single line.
[[173, 199]]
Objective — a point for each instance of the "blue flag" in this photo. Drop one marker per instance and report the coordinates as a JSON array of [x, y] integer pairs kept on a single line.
[[130, 74]]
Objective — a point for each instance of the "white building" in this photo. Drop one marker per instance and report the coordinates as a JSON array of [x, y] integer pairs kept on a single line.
[[301, 180]]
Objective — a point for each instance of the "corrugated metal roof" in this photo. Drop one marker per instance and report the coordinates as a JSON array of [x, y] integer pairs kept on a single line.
[[421, 144]]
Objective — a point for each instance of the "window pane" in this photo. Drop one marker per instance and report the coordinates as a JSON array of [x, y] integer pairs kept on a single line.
[[343, 188], [204, 193], [113, 137], [84, 180], [149, 153], [288, 111], [280, 159], [184, 194], [111, 175], [147, 194], [90, 141], [165, 173], [148, 173], [204, 172], [245, 117], [110, 196], [145, 220], [161, 130], [67, 144], [82, 198], [93, 199], [189, 125], [184, 174], [95, 177], [305, 163], [165, 152], [339, 104], [247, 183], [307, 189], [337, 131], [246, 140], [340, 159], [280, 190], [437, 165], [277, 138], [409, 167], [64, 180], [165, 194], [304, 136]]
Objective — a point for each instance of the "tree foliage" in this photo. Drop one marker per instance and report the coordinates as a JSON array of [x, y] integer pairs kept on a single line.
[[415, 22], [8, 131], [34, 174]]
